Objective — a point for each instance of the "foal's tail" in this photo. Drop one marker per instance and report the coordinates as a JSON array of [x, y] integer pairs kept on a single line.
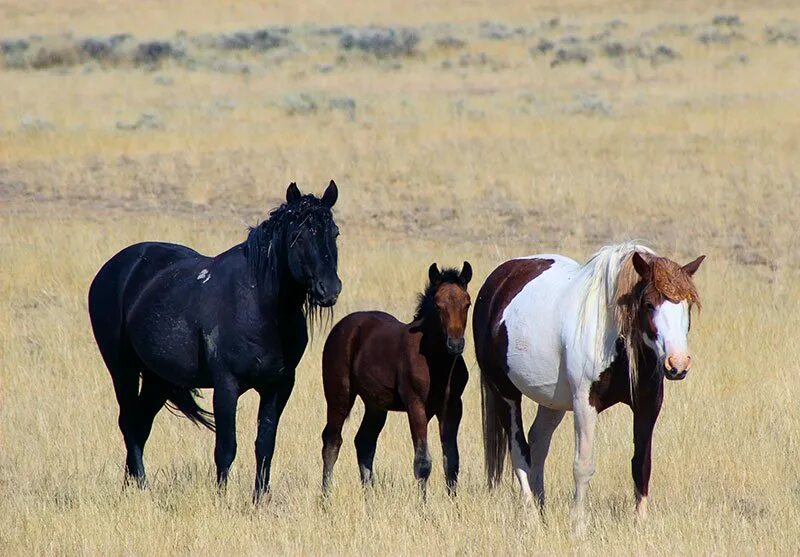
[[495, 437], [182, 399]]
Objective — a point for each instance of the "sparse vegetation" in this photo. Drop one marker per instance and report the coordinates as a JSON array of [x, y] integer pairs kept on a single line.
[[185, 123]]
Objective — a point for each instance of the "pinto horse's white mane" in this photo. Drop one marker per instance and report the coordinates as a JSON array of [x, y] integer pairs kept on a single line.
[[607, 277]]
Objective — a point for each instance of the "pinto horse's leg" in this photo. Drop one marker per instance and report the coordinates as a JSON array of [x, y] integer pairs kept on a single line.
[[539, 437], [418, 421], [645, 414], [367, 440], [518, 446], [273, 401], [583, 465], [226, 397]]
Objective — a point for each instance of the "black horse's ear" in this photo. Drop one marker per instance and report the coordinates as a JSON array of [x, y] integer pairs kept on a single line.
[[692, 267], [466, 273], [331, 195], [641, 265], [293, 193], [434, 275]]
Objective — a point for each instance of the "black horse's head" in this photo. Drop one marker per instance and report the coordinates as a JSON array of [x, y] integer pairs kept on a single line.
[[311, 254], [298, 243]]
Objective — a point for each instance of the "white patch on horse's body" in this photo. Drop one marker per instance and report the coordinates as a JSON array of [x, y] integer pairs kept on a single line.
[[556, 317], [204, 276]]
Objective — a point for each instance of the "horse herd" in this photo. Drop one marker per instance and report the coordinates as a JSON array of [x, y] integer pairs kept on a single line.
[[569, 336]]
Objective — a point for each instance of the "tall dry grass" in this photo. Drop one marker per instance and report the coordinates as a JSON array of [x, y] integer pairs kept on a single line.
[[481, 163]]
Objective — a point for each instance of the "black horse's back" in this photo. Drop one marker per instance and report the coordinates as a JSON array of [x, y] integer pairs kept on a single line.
[[112, 292]]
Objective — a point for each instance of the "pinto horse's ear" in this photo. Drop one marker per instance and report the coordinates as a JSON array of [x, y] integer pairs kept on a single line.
[[642, 266], [331, 195], [293, 193], [434, 275], [466, 273], [691, 268]]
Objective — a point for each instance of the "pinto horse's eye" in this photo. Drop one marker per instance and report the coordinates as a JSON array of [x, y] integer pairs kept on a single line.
[[650, 307]]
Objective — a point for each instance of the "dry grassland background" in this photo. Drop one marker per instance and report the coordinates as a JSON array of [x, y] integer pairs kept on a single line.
[[455, 130]]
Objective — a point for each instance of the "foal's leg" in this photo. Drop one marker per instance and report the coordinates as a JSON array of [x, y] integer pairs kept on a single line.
[[583, 464], [366, 441], [449, 421], [270, 408], [418, 421], [518, 446], [645, 414], [226, 397], [338, 409], [539, 436]]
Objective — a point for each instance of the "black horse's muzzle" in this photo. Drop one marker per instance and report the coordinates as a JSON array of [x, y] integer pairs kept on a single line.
[[326, 292], [455, 346]]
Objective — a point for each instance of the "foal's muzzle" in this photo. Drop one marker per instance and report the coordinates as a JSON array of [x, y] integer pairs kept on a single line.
[[455, 346]]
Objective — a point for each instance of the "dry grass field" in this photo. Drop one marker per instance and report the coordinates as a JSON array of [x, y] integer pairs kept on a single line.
[[545, 130]]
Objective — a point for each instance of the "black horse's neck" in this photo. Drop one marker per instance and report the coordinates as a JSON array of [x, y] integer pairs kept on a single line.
[[267, 261]]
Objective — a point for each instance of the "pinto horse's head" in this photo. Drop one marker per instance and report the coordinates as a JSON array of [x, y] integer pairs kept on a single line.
[[451, 301], [666, 297], [311, 252]]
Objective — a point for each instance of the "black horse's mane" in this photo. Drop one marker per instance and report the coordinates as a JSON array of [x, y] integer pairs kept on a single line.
[[267, 242], [425, 299]]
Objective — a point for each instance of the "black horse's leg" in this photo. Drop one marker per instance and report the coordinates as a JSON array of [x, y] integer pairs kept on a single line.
[[418, 421], [151, 400], [273, 401], [645, 414], [367, 440], [226, 397], [124, 370]]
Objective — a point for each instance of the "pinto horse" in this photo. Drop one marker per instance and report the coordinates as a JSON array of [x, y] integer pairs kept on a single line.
[[415, 368], [180, 320], [580, 338]]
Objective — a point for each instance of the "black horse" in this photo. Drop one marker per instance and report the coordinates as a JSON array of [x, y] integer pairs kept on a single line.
[[181, 321]]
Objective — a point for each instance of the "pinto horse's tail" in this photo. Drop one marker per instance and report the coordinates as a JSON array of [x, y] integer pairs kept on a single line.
[[182, 399], [495, 437]]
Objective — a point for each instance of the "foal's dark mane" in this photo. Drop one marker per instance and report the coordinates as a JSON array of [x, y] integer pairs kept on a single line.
[[267, 243], [425, 298]]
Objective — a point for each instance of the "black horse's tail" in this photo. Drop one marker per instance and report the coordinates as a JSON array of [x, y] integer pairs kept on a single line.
[[182, 399]]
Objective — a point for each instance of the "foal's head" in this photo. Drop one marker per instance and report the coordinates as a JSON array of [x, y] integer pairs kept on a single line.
[[446, 299], [663, 301]]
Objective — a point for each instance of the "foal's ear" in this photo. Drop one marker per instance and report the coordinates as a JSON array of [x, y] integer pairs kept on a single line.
[[331, 195], [692, 267], [434, 275], [641, 265], [466, 273], [293, 193]]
